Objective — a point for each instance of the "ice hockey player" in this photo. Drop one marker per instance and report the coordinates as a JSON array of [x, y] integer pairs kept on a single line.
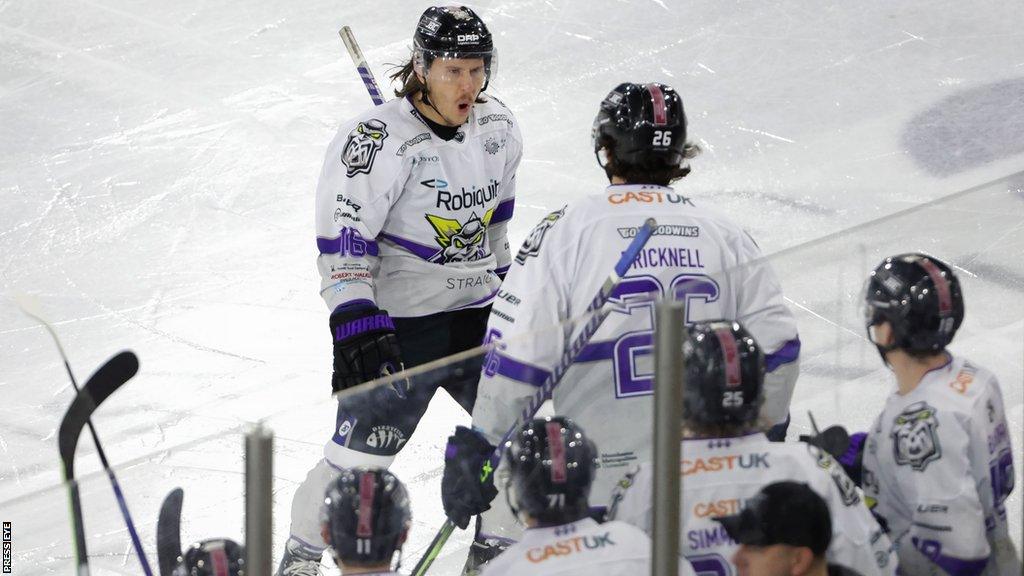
[[552, 465], [696, 254], [937, 464], [412, 208], [212, 557], [783, 531], [726, 460], [365, 520]]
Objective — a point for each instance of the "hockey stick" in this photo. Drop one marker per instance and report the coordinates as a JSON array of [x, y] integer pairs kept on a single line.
[[98, 388], [598, 314], [32, 311], [168, 532], [360, 61]]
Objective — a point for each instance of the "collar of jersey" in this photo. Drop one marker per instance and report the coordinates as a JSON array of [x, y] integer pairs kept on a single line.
[[749, 437], [541, 534], [410, 110], [937, 373], [622, 188]]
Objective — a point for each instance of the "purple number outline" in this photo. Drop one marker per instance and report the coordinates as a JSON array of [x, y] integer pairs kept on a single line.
[[629, 346]]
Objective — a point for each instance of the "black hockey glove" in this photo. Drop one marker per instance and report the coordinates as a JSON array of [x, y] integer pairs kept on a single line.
[[465, 491], [846, 449], [365, 347]]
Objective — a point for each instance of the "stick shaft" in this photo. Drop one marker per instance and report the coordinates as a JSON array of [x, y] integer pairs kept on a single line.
[[361, 66]]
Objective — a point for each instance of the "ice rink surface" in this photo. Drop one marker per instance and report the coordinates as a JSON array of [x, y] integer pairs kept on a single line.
[[158, 163]]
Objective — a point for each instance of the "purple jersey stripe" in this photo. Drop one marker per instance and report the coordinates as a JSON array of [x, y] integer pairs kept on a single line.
[[597, 351], [477, 303], [516, 370], [789, 352], [424, 252], [504, 211], [334, 246]]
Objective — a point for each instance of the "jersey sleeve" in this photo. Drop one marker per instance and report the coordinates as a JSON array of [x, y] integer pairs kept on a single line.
[[498, 234], [354, 195], [525, 328], [763, 311], [858, 541], [948, 523]]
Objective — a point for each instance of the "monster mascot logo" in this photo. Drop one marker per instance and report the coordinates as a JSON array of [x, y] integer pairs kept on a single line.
[[460, 242], [362, 146], [914, 440]]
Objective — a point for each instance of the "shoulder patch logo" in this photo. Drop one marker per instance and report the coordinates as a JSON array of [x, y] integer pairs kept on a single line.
[[531, 246], [361, 148], [915, 443]]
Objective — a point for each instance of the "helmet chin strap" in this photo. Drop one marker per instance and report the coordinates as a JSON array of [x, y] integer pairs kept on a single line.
[[508, 501], [882, 349]]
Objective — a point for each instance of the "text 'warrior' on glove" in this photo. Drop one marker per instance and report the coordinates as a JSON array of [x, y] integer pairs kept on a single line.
[[465, 491], [365, 347]]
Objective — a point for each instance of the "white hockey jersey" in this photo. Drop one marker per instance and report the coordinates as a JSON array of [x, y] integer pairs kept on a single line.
[[413, 223], [938, 468], [695, 252], [719, 475], [582, 548]]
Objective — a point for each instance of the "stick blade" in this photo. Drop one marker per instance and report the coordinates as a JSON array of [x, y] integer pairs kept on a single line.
[[108, 378], [168, 532]]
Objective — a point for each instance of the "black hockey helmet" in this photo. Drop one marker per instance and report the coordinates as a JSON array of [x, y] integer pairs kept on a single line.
[[551, 467], [212, 557], [452, 32], [645, 123], [724, 375], [921, 299], [367, 515]]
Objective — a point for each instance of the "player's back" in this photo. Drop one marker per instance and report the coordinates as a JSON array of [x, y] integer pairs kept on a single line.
[[719, 475], [582, 548], [696, 255]]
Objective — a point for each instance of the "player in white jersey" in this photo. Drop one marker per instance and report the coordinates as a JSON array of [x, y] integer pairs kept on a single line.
[[412, 208], [696, 254], [726, 460], [937, 464], [552, 465], [365, 521]]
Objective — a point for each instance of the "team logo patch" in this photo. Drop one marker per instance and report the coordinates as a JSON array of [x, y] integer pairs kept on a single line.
[[385, 437], [460, 241], [915, 443], [531, 246], [493, 145], [361, 148]]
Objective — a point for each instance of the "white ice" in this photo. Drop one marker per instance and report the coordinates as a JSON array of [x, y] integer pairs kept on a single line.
[[158, 162]]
